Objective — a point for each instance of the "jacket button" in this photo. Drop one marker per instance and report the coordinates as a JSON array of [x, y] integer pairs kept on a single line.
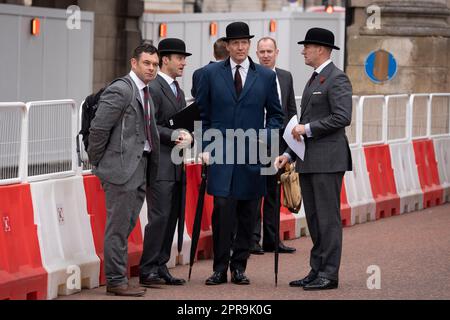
[[142, 142], [139, 157]]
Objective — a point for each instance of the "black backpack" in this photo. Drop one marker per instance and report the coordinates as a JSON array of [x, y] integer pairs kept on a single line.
[[88, 110]]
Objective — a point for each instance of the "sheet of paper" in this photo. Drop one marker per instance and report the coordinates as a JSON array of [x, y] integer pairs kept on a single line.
[[297, 146]]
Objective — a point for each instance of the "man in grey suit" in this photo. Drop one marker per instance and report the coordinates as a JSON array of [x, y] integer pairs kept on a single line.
[[326, 109], [124, 150], [164, 201], [267, 53]]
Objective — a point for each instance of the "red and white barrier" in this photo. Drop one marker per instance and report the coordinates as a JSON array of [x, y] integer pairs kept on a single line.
[[64, 234]]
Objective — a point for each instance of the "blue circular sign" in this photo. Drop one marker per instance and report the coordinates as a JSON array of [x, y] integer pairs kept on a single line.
[[380, 66]]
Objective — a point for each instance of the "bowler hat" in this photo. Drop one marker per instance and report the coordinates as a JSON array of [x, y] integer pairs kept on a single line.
[[237, 30], [322, 37], [173, 45]]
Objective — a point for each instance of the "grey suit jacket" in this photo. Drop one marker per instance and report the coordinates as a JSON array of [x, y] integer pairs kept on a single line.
[[327, 106], [166, 105], [117, 135], [287, 100]]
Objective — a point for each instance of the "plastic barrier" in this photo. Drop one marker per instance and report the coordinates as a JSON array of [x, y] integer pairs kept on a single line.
[[442, 152], [96, 208], [287, 222], [358, 190], [382, 181], [406, 177], [22, 275], [346, 210], [205, 243], [428, 173], [64, 234]]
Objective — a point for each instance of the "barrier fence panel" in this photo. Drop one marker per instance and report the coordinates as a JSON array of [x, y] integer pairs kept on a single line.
[[372, 114], [402, 153], [51, 139], [442, 151], [351, 130], [82, 157], [420, 113], [439, 114], [12, 141]]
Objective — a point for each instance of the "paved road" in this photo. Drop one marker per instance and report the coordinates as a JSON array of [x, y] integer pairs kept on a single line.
[[411, 250]]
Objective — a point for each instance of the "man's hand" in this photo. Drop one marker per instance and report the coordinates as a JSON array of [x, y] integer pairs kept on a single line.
[[184, 139], [203, 157], [298, 131], [280, 162]]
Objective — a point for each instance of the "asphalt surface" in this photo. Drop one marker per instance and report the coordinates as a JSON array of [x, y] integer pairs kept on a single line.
[[411, 252]]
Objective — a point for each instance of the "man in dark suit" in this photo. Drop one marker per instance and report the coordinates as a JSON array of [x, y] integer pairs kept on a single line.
[[233, 95], [220, 54], [326, 109], [164, 200], [124, 150], [267, 53]]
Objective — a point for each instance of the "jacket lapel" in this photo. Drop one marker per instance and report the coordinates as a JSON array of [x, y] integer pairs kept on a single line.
[[252, 75], [283, 88], [307, 93], [228, 77], [167, 91]]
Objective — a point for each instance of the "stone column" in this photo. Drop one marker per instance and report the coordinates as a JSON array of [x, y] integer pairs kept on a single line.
[[417, 33]]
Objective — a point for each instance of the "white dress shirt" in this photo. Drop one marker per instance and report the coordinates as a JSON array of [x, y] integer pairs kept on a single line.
[[243, 70], [170, 81], [141, 85]]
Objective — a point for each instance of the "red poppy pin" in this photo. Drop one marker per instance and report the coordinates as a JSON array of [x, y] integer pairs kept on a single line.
[[322, 79]]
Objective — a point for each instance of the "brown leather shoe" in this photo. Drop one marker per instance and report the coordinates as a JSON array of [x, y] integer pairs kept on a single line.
[[125, 290]]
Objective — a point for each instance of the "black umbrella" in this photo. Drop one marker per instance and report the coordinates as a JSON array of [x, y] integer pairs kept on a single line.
[[198, 219], [181, 215], [277, 223]]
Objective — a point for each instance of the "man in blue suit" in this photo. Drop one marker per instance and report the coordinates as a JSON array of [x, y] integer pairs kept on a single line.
[[232, 96]]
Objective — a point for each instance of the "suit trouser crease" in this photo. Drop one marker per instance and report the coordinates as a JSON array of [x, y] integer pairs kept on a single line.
[[163, 210], [321, 198], [226, 212], [123, 205]]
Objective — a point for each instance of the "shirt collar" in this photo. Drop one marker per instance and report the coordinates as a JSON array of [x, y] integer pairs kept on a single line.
[[322, 66], [166, 77], [139, 83], [245, 64]]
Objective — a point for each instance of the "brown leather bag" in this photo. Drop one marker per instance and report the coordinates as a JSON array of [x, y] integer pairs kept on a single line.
[[290, 181]]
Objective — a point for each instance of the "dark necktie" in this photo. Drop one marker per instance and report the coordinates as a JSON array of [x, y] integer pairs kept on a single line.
[[178, 95], [238, 81], [314, 75], [147, 116]]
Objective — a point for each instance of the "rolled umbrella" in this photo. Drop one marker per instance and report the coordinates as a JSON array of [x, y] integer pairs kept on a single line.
[[197, 220], [277, 225], [181, 216]]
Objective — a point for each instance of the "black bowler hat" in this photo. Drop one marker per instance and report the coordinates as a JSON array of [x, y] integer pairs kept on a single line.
[[237, 30], [172, 45], [322, 37]]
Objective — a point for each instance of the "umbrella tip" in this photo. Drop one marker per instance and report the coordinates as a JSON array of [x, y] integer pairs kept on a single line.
[[190, 271]]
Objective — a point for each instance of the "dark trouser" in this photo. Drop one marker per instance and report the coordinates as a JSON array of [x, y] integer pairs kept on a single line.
[[163, 202], [321, 198], [123, 205], [270, 205], [226, 210]]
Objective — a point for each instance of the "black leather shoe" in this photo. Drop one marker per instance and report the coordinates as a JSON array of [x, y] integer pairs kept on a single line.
[[169, 279], [150, 280], [216, 278], [282, 248], [256, 249], [303, 282], [321, 284], [239, 277]]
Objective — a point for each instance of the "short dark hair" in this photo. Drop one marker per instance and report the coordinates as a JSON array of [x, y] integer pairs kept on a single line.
[[220, 49], [169, 55], [144, 47]]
